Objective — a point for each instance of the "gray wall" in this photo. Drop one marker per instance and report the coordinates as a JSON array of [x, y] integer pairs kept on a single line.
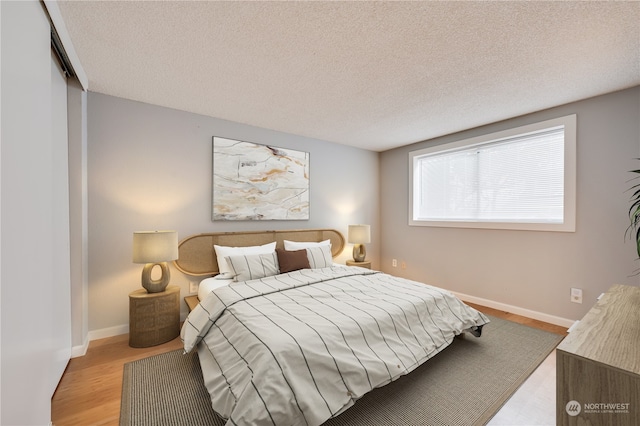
[[532, 271], [150, 168]]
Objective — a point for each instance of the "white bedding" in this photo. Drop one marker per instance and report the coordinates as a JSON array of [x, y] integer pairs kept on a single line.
[[300, 348], [209, 284]]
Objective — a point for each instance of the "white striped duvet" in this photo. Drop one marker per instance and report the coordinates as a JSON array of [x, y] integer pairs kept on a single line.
[[299, 348]]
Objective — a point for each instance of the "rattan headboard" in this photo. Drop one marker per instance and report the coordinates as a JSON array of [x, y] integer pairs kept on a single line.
[[196, 255]]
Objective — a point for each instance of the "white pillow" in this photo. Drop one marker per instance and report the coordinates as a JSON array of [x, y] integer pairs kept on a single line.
[[253, 266], [319, 257], [222, 252], [297, 245]]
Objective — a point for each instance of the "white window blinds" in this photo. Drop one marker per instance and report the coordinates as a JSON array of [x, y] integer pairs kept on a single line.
[[514, 179]]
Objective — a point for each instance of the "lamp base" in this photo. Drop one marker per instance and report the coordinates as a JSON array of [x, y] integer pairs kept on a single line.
[[159, 285], [359, 252]]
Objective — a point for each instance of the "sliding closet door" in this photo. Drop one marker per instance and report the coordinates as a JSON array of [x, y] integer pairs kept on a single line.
[[60, 250], [28, 277]]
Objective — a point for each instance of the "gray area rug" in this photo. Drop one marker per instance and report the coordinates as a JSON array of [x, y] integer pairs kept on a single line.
[[466, 384]]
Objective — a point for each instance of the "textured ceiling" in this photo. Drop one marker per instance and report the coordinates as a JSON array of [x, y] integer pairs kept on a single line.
[[375, 75]]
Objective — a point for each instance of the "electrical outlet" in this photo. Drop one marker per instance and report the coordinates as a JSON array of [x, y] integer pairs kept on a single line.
[[576, 295], [193, 287], [403, 265], [394, 263]]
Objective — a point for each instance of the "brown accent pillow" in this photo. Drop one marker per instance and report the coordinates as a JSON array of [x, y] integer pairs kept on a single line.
[[292, 260]]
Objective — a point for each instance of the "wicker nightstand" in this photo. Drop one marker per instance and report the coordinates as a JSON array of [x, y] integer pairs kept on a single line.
[[154, 318], [365, 264]]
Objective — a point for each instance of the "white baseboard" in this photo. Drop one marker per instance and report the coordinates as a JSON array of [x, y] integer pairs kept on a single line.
[[540, 316], [108, 332], [80, 350], [116, 331]]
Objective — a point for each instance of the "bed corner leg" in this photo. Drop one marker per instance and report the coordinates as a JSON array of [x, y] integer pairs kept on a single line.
[[476, 331]]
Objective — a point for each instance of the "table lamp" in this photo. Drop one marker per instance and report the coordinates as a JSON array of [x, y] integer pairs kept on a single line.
[[359, 235], [155, 248]]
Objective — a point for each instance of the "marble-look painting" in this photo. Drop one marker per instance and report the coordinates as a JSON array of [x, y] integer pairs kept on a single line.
[[259, 182]]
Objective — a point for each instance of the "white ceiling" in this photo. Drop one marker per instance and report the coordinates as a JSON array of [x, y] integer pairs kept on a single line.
[[374, 75]]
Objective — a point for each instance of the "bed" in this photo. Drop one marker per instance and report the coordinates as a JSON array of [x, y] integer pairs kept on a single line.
[[301, 346]]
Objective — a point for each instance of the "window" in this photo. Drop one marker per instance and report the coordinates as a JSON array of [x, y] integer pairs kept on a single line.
[[521, 178]]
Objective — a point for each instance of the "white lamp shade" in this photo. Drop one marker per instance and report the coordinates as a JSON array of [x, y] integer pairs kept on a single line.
[[359, 234], [155, 246]]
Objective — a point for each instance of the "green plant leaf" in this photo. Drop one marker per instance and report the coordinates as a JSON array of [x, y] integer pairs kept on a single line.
[[634, 212]]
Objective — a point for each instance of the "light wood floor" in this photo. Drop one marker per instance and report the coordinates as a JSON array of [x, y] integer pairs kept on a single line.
[[90, 390]]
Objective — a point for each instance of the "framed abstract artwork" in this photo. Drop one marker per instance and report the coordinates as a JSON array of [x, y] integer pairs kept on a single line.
[[259, 182]]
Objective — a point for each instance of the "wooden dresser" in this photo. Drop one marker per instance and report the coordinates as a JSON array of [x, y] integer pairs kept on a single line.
[[598, 364]]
